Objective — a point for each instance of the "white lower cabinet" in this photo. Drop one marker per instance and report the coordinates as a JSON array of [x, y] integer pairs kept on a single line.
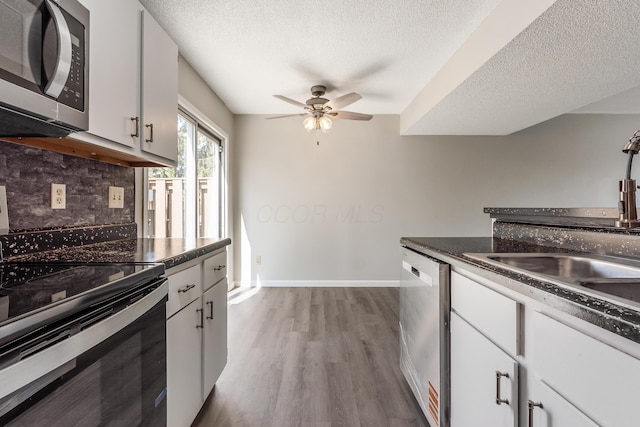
[[568, 375], [183, 365], [598, 379], [546, 408], [484, 380], [215, 335], [196, 336]]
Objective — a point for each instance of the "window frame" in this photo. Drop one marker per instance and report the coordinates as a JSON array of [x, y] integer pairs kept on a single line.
[[207, 127]]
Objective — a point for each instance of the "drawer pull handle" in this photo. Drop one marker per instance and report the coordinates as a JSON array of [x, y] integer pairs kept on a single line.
[[499, 400], [218, 268], [186, 288], [532, 405], [201, 311], [210, 304]]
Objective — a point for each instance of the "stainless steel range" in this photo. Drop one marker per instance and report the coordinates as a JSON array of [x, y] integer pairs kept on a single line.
[[82, 344]]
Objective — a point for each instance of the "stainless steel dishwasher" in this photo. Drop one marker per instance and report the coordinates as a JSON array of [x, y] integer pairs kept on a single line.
[[425, 304]]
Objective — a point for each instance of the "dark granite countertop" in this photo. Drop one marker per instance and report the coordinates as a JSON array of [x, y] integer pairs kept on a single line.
[[611, 213], [617, 318], [587, 218], [170, 251]]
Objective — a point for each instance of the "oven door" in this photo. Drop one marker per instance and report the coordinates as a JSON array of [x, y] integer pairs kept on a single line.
[[112, 373]]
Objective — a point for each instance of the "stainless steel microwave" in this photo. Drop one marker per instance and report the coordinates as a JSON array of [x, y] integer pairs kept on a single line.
[[44, 64]]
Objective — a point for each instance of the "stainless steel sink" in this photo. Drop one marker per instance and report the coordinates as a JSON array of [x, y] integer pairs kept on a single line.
[[628, 289], [603, 275], [567, 265]]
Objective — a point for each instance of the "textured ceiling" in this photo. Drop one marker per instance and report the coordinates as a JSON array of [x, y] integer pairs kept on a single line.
[[574, 54], [447, 66], [249, 50]]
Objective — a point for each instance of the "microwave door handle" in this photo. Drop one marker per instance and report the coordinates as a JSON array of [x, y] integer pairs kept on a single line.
[[63, 64]]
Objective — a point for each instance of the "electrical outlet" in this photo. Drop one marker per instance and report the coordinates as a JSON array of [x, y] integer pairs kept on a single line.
[[58, 196], [116, 197], [258, 259]]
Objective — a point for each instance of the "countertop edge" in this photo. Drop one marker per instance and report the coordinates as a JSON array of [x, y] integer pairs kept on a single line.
[[174, 261], [620, 320]]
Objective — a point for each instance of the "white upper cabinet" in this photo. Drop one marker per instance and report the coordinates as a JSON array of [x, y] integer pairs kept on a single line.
[[113, 65], [159, 90], [133, 85]]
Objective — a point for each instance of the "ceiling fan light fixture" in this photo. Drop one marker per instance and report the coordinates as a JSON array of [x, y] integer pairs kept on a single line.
[[319, 109], [310, 124], [325, 123], [314, 124]]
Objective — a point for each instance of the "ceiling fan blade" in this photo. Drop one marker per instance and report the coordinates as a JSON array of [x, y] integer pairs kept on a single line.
[[286, 115], [343, 101], [348, 115], [290, 101]]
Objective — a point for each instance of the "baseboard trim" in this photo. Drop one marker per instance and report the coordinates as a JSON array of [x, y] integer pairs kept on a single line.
[[323, 284]]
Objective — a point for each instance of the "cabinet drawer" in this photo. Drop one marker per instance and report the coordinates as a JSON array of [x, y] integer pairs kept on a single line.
[[597, 378], [215, 269], [493, 314], [184, 287]]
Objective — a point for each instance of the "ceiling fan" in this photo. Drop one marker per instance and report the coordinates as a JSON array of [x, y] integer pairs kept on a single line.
[[320, 111]]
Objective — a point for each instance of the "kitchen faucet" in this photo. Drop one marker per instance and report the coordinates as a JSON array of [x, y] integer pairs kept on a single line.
[[627, 204]]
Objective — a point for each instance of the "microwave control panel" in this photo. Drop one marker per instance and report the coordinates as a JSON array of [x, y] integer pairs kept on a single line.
[[73, 93]]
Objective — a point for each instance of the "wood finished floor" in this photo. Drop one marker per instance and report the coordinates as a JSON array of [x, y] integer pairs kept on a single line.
[[313, 357]]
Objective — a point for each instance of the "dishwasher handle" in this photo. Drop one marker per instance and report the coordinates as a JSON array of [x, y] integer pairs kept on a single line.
[[420, 274]]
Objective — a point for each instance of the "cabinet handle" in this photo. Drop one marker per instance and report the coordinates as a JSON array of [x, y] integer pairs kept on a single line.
[[150, 126], [136, 127], [532, 405], [201, 325], [499, 400], [210, 304], [218, 268], [186, 288]]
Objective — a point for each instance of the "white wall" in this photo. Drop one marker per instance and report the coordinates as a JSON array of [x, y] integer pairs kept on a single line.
[[197, 92], [335, 212]]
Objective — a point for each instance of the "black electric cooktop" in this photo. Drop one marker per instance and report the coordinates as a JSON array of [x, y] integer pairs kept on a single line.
[[35, 294]]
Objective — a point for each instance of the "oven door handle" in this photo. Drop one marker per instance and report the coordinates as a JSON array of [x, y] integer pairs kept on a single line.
[[24, 372]]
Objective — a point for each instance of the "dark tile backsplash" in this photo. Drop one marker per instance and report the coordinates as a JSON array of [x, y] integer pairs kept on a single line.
[[29, 172]]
